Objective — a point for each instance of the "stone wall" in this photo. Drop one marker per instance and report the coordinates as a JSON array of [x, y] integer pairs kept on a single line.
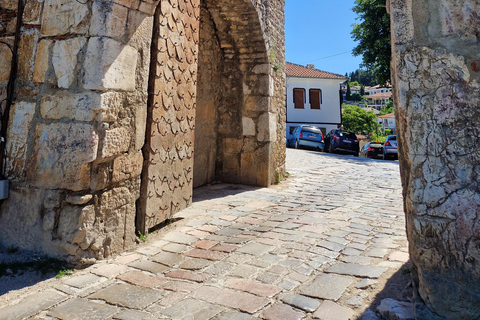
[[436, 80], [83, 125]]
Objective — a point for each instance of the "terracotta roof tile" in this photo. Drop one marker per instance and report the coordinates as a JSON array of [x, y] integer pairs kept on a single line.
[[380, 95], [388, 115], [296, 70]]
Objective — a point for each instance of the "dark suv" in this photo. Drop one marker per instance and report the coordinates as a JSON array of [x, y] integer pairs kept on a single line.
[[341, 140]]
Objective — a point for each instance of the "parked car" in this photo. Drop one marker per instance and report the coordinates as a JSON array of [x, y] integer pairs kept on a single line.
[[306, 136], [341, 140], [390, 148], [372, 150]]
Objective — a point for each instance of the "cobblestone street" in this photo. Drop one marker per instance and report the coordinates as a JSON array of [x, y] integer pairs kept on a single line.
[[329, 243]]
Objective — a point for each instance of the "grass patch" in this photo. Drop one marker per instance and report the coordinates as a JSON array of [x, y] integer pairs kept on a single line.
[[42, 266], [64, 273]]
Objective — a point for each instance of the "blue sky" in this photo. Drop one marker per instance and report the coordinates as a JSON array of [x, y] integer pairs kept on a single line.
[[315, 30]]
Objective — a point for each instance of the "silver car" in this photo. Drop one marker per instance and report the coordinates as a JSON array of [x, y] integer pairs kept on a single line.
[[390, 148]]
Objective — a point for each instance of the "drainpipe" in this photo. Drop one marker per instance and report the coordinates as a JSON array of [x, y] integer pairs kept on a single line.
[[10, 94]]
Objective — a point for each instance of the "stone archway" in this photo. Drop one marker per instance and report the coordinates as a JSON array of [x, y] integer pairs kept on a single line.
[[234, 126]]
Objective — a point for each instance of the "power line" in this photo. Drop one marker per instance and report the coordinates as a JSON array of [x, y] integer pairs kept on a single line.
[[334, 55]]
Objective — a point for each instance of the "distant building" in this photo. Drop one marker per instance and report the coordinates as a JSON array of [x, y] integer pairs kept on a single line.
[[313, 98], [377, 89], [388, 122], [378, 100]]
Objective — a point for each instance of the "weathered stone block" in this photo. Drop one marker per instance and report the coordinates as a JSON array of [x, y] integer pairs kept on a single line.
[[65, 57], [5, 63], [267, 127], [62, 156], [108, 19], [41, 61], [127, 167], [248, 126], [140, 126], [78, 107], [74, 223], [116, 141], [26, 50], [63, 17], [17, 135], [9, 4], [32, 12], [109, 65]]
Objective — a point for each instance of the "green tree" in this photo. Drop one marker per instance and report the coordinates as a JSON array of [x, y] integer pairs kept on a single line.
[[349, 92], [356, 97], [387, 109], [358, 120], [373, 35], [362, 90]]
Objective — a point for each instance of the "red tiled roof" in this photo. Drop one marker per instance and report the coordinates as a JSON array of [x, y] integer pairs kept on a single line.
[[380, 95], [296, 70], [388, 115]]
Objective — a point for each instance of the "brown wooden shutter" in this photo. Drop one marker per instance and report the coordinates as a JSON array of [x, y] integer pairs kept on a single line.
[[298, 98], [315, 98]]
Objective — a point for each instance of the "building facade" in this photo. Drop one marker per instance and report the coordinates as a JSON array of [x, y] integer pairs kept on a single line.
[[313, 98]]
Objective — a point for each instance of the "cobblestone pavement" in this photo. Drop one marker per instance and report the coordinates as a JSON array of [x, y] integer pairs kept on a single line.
[[325, 244]]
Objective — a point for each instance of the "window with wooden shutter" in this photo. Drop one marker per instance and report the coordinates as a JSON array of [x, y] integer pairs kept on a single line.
[[315, 98], [299, 98]]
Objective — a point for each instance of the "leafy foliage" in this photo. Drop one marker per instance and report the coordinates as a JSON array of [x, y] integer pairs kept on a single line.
[[373, 35], [365, 77], [359, 120], [387, 109], [349, 92]]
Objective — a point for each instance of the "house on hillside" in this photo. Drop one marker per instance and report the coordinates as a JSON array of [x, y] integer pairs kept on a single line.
[[353, 89], [378, 100], [313, 98], [387, 122], [377, 89]]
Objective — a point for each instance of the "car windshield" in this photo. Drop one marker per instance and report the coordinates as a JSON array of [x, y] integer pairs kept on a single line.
[[347, 134], [311, 129], [393, 138]]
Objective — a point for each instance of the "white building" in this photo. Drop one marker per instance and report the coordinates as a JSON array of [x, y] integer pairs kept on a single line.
[[313, 98], [376, 89], [388, 122]]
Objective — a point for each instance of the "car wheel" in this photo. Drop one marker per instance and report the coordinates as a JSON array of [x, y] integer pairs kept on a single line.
[[356, 154], [330, 149], [296, 144]]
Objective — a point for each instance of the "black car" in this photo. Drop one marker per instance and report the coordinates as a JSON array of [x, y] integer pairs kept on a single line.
[[372, 150], [341, 140]]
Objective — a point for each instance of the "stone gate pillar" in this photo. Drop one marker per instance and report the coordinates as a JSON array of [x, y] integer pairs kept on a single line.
[[436, 73]]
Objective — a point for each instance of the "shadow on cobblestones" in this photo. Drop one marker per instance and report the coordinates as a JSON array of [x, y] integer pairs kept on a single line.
[[397, 287]]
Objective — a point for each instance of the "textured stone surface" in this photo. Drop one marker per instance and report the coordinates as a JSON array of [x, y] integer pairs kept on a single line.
[[79, 107], [331, 311], [64, 16], [238, 300], [436, 81], [127, 295], [282, 311], [192, 309], [327, 286], [301, 302], [31, 305], [62, 154], [78, 309], [85, 69], [17, 135], [64, 60], [396, 310], [357, 270], [109, 65]]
